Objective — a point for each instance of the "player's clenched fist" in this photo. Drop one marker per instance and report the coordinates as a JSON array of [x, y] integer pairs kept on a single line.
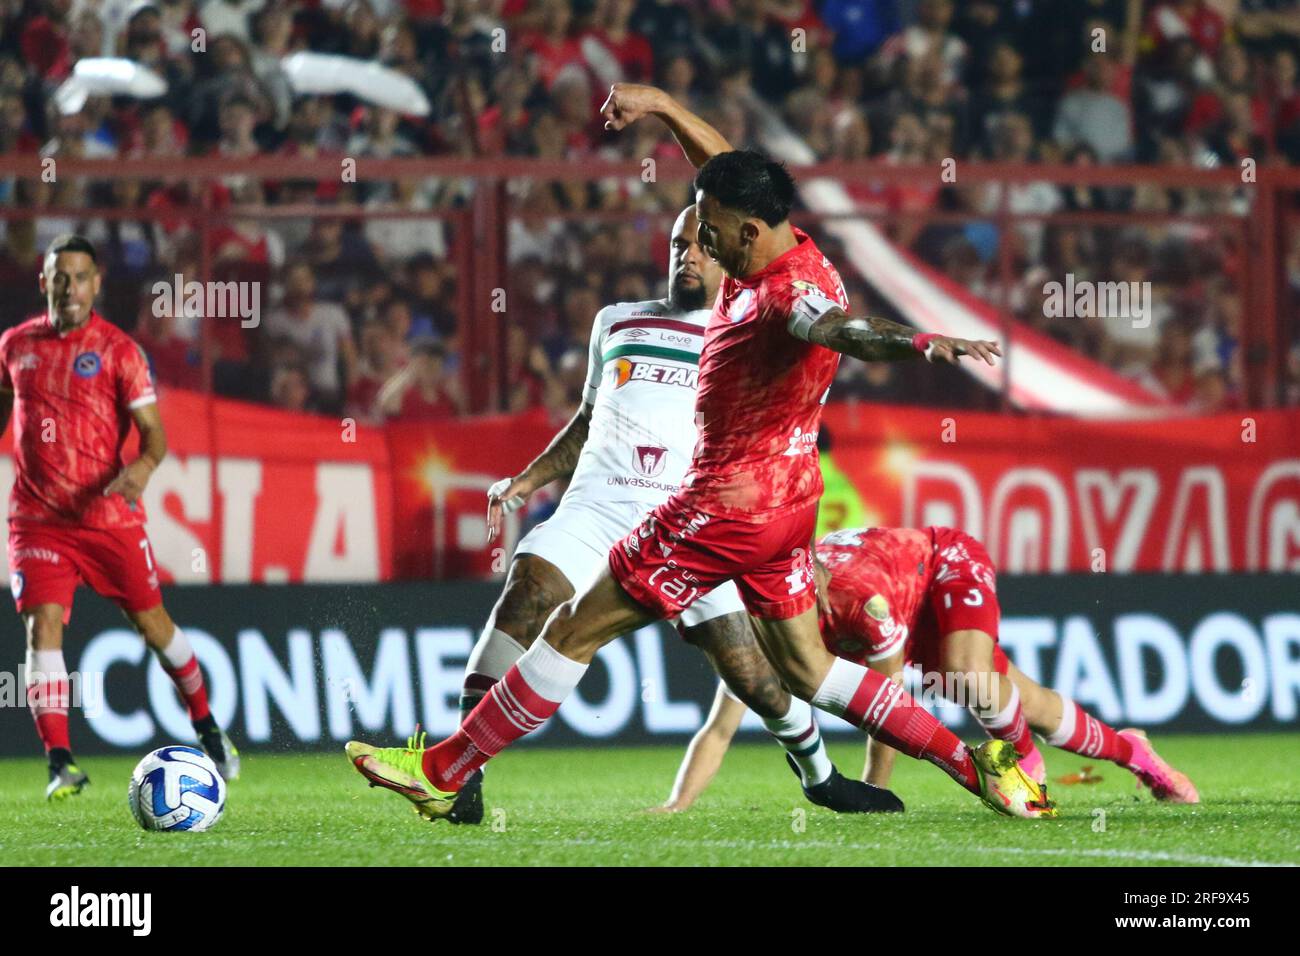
[[944, 349], [628, 102]]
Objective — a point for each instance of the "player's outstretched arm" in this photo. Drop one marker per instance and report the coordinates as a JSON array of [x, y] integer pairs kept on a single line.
[[872, 339], [628, 102], [704, 753], [558, 461]]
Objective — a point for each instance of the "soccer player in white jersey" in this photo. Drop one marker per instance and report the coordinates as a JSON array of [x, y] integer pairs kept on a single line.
[[627, 449]]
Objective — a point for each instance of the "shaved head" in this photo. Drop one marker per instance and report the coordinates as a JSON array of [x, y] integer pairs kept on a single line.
[[693, 278]]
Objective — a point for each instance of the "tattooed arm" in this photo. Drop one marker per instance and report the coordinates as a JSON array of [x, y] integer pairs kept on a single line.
[[557, 461], [561, 456], [822, 322]]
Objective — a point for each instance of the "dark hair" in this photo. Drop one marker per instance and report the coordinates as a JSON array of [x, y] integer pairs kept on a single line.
[[429, 345], [750, 182], [68, 242]]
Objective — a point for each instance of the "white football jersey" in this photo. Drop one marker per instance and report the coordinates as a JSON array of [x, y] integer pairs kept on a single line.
[[642, 376]]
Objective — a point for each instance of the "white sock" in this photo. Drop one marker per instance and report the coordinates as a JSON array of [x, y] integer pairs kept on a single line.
[[48, 687], [550, 674], [838, 689], [45, 664], [992, 720], [492, 656], [176, 654], [799, 734]]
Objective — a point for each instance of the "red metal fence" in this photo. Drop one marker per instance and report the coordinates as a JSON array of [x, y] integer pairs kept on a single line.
[[1253, 223]]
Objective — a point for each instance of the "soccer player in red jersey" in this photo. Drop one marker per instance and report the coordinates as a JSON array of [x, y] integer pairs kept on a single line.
[[928, 596], [748, 507], [74, 384]]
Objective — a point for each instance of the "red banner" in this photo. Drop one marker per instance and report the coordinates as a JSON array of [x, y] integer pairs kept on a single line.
[[249, 493], [253, 494], [1217, 493], [1046, 494]]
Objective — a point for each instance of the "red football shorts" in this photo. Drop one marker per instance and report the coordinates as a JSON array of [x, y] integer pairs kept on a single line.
[[679, 554], [47, 562], [962, 597]]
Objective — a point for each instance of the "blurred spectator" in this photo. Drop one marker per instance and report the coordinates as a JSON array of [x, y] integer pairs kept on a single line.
[[527, 370], [552, 47], [423, 391], [380, 357], [1095, 117], [753, 39], [579, 304], [429, 294], [173, 358], [929, 36], [291, 389], [630, 52], [230, 17], [860, 26], [320, 329]]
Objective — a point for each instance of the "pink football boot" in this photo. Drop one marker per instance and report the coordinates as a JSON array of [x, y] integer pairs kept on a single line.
[[1166, 783]]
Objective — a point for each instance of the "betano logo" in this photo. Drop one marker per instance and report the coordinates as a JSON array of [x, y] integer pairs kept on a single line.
[[626, 371]]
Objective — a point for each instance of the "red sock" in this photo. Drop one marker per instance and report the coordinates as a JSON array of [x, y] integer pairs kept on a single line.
[[1010, 725], [1084, 734], [510, 710], [189, 681], [883, 709], [48, 700]]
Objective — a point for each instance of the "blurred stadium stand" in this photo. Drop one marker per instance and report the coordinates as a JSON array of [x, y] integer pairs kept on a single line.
[[1102, 139]]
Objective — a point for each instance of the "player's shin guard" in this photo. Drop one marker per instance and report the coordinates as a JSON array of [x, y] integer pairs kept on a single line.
[[799, 734], [1081, 733], [182, 666], [519, 703], [883, 709], [488, 662], [48, 697], [1008, 724]]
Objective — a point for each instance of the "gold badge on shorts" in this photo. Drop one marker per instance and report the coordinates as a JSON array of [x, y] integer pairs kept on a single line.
[[877, 608]]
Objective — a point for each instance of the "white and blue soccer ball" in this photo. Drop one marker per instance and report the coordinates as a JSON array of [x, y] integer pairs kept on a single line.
[[176, 788]]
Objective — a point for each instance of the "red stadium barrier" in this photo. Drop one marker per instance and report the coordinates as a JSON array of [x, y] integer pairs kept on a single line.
[[253, 494]]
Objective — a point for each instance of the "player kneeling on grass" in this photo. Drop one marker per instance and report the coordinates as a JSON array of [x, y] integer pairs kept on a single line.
[[928, 597], [74, 384], [624, 452]]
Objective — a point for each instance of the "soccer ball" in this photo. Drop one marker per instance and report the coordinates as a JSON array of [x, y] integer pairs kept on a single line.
[[176, 788]]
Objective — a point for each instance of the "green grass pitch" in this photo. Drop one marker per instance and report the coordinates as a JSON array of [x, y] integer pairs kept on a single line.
[[586, 807]]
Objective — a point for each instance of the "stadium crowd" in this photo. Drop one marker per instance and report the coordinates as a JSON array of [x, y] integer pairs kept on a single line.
[[361, 312]]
